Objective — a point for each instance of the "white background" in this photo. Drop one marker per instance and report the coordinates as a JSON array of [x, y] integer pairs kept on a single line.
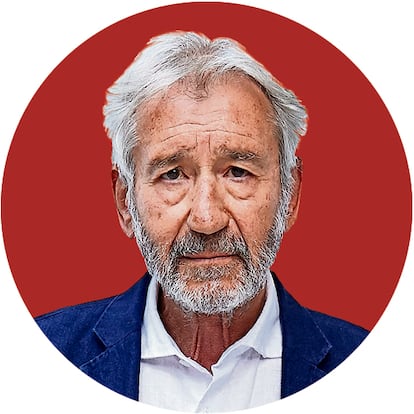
[[37, 35]]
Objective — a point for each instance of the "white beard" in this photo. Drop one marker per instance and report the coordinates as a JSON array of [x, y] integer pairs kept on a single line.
[[211, 289]]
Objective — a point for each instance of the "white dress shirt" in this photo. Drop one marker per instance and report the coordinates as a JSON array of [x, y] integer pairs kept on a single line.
[[247, 375]]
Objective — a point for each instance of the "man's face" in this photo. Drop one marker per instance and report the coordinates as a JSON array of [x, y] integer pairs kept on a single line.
[[206, 194]]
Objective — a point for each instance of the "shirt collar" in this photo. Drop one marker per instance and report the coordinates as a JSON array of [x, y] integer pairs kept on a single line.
[[155, 340], [264, 337]]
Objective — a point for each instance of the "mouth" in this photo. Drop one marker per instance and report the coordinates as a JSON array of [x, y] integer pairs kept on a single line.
[[208, 258]]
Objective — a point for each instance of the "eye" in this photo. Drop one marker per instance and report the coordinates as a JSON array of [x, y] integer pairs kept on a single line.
[[172, 175], [237, 172]]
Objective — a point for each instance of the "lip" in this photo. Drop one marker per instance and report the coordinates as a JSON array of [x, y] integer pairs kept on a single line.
[[208, 257]]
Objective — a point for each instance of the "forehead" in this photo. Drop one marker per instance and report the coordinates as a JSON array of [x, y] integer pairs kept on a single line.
[[232, 110]]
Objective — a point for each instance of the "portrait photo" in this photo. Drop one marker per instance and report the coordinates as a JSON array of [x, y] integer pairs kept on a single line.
[[206, 207]]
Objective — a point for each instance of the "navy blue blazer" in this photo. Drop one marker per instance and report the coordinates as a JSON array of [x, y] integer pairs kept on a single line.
[[103, 339]]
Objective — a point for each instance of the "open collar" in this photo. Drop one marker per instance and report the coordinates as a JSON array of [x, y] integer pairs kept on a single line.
[[119, 331]]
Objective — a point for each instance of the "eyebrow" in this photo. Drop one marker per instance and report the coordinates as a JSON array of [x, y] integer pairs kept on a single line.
[[240, 155], [162, 162]]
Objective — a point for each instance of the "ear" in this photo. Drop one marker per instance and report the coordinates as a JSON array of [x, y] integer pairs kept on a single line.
[[120, 189], [295, 199]]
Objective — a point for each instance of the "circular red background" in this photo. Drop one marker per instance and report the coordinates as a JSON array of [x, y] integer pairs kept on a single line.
[[343, 257]]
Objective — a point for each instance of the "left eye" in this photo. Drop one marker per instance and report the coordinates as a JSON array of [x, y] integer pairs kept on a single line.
[[238, 172]]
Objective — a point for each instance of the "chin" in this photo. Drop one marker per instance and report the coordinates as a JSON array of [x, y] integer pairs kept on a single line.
[[212, 296]]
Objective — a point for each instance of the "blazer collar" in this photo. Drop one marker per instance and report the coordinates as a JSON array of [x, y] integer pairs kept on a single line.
[[304, 344], [119, 331], [124, 314]]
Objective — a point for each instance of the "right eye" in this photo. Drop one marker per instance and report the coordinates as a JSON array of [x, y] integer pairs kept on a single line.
[[172, 175]]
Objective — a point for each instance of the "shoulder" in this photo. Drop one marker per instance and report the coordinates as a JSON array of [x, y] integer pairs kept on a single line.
[[80, 332], [302, 319], [343, 336], [314, 336], [340, 328], [70, 329], [71, 317]]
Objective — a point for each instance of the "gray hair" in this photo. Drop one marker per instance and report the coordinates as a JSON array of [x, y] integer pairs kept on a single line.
[[179, 56]]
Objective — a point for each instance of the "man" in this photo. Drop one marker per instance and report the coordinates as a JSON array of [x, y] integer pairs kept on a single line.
[[206, 180]]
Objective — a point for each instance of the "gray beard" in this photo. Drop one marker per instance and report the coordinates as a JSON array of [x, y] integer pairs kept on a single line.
[[208, 294]]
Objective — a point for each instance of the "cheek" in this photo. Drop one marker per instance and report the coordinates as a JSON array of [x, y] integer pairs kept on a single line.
[[165, 194], [161, 216], [254, 219], [241, 191], [170, 195]]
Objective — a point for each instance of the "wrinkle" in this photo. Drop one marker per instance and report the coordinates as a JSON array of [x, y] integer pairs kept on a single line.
[[209, 131], [204, 338]]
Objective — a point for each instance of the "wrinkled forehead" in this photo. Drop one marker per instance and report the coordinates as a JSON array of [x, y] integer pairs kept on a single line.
[[233, 98]]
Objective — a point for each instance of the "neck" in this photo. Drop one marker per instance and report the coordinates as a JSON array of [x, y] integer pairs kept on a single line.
[[204, 338]]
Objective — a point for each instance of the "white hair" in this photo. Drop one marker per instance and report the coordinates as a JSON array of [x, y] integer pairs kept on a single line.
[[180, 56]]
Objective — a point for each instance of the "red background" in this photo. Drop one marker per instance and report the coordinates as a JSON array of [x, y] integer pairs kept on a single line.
[[344, 255]]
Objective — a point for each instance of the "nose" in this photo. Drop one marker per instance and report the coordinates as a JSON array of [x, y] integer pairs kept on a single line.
[[207, 214]]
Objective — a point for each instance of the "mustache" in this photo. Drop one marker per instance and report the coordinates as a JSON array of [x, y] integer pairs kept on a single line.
[[220, 242]]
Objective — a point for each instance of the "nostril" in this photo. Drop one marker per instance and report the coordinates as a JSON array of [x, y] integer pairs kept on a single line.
[[207, 220]]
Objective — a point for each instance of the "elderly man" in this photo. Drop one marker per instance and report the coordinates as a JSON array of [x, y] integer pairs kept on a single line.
[[206, 180]]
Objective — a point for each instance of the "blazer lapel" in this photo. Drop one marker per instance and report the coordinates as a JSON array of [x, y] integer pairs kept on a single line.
[[119, 331], [304, 345]]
